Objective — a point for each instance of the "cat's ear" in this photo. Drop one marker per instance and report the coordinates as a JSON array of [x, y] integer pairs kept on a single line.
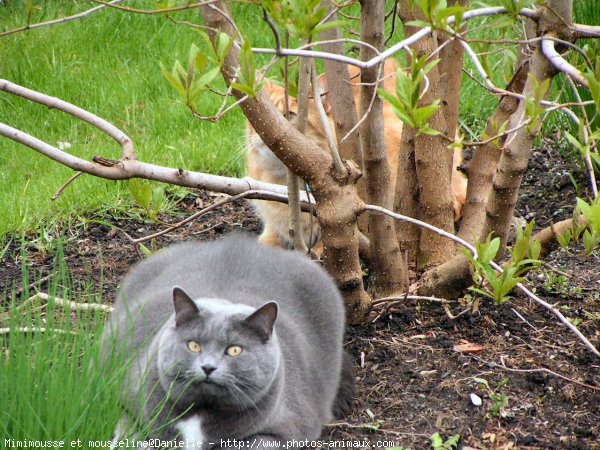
[[263, 319], [185, 308]]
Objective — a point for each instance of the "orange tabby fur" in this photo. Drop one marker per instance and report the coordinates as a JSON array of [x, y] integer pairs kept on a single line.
[[263, 165]]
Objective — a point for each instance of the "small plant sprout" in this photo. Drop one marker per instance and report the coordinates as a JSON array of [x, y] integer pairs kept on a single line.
[[438, 442]]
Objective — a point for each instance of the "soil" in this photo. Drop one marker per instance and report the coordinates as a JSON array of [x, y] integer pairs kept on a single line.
[[417, 370]]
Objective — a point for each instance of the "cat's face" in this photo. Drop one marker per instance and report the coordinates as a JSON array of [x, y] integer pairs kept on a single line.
[[217, 354]]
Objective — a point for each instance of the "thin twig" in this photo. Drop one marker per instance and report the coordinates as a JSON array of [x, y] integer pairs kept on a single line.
[[198, 215], [64, 186], [522, 318], [454, 316], [541, 369], [587, 131], [409, 297]]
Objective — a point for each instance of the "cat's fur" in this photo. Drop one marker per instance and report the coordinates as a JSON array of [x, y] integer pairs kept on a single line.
[[263, 165], [290, 378]]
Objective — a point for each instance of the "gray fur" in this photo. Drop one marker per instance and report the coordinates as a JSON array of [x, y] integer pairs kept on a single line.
[[283, 386]]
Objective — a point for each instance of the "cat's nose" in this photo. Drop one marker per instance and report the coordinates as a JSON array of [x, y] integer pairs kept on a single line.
[[208, 369]]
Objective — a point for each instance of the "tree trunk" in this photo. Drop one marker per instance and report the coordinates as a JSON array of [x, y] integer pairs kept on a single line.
[[337, 201], [485, 160], [513, 161], [340, 98], [434, 172], [448, 279], [388, 268], [406, 200]]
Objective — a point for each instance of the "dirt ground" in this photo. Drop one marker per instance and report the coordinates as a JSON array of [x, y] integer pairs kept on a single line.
[[537, 385]]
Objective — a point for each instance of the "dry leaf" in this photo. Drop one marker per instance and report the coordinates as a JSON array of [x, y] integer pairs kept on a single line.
[[468, 347]]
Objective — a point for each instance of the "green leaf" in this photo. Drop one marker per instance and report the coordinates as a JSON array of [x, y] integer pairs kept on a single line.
[[591, 213], [158, 195], [244, 88], [488, 250], [575, 142], [209, 76], [145, 250], [422, 114], [535, 250], [520, 249], [588, 242], [436, 440], [141, 192], [564, 239], [247, 73], [173, 80], [223, 44]]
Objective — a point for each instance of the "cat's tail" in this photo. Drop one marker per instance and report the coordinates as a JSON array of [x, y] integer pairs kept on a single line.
[[344, 400]]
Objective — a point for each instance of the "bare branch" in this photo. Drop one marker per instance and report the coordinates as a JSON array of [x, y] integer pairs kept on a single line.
[[128, 152], [402, 45], [80, 15], [156, 11], [586, 31], [127, 169], [333, 150], [562, 64]]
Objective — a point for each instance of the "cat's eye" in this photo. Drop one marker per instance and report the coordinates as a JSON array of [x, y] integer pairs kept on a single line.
[[234, 350], [194, 347]]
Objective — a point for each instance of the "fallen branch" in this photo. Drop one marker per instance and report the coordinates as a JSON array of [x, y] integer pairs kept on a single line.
[[496, 267], [201, 213], [409, 297], [542, 369], [65, 303]]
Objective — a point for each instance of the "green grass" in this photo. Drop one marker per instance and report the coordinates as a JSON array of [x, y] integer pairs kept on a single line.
[[59, 380], [108, 64], [52, 384]]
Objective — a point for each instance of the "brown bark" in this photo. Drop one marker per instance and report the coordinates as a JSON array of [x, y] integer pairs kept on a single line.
[[340, 98], [444, 279], [406, 200], [485, 160], [513, 161], [450, 66], [337, 201], [548, 236], [388, 266], [434, 169]]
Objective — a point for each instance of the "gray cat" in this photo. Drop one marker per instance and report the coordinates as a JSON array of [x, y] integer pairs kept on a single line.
[[231, 340]]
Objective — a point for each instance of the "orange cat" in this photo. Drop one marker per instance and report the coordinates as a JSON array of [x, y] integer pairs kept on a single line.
[[263, 165]]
